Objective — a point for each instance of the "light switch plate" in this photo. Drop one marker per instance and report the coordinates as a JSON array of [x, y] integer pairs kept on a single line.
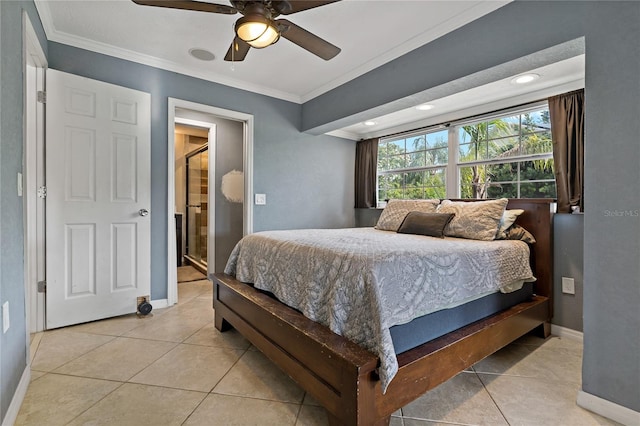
[[568, 285]]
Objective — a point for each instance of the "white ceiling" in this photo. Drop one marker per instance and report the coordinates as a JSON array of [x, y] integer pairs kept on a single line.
[[162, 38], [369, 32]]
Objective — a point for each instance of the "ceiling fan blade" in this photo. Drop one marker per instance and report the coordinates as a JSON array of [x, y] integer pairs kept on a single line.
[[307, 40], [237, 51], [287, 7], [189, 5]]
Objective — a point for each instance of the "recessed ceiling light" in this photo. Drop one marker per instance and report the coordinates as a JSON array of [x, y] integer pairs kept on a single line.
[[525, 78], [202, 54], [425, 107], [369, 123]]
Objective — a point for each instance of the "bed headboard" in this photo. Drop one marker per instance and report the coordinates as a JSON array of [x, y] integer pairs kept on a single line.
[[537, 219]]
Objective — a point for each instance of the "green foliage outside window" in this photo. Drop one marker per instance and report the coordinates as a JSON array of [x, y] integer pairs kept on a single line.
[[505, 157], [507, 138]]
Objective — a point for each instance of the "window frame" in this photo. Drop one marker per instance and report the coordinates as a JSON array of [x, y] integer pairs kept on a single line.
[[453, 166]]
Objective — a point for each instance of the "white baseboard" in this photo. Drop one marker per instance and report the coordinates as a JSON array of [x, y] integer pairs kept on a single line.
[[567, 333], [160, 303], [18, 397], [608, 409]]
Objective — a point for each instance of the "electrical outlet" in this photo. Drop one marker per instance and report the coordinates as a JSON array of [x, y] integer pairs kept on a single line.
[[568, 285], [261, 199], [5, 316]]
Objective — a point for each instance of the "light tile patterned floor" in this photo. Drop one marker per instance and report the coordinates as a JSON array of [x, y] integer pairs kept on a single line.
[[175, 368]]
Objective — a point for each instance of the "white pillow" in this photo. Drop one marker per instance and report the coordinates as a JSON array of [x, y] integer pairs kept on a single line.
[[508, 219]]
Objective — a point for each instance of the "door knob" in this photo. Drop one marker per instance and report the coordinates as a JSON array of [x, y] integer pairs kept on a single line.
[[143, 212]]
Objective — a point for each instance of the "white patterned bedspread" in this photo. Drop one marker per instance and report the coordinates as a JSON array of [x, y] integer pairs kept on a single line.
[[359, 282]]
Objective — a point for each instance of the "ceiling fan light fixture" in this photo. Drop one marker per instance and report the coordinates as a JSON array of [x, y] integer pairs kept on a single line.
[[257, 31]]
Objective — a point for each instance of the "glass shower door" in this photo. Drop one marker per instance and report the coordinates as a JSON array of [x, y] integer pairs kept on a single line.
[[197, 205]]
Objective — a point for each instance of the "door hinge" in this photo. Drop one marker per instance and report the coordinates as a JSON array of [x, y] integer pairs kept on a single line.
[[42, 96], [42, 192], [42, 286]]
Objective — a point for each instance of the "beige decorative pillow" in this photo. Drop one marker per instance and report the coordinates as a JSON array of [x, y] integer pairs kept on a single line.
[[476, 220], [396, 210]]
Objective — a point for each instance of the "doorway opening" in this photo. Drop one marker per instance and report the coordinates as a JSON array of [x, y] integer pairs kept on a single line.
[[192, 195], [223, 204]]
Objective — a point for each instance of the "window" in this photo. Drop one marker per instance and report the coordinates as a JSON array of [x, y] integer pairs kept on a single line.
[[413, 166], [507, 155]]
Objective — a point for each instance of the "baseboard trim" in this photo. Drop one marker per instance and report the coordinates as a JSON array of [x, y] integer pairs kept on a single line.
[[608, 409], [160, 303], [567, 333], [18, 397]]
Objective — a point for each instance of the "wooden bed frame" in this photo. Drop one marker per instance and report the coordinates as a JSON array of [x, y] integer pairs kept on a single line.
[[342, 375]]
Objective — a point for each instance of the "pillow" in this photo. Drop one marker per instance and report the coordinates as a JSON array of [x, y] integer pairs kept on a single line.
[[396, 210], [508, 218], [517, 232], [476, 220], [429, 224]]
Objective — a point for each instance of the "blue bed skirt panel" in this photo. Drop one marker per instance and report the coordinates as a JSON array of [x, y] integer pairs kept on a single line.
[[431, 326]]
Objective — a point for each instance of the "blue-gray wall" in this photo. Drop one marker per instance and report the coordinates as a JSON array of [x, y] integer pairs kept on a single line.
[[308, 179], [568, 261], [611, 31], [13, 343]]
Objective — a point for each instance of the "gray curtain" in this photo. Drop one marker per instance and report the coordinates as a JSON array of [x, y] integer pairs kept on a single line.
[[366, 173], [566, 112]]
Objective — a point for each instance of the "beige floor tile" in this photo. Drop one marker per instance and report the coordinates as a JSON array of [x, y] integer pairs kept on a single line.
[[462, 399], [188, 274], [193, 289], [189, 367], [209, 336], [311, 415], [195, 308], [170, 327], [555, 364], [255, 376], [34, 343], [139, 405], [36, 374], [529, 401], [396, 421], [565, 345], [234, 411], [116, 326], [416, 422], [58, 347], [55, 399], [120, 359]]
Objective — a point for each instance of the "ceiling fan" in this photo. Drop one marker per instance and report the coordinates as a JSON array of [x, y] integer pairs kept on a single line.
[[258, 27]]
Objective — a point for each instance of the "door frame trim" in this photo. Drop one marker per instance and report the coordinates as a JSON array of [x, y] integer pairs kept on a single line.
[[33, 174], [247, 213]]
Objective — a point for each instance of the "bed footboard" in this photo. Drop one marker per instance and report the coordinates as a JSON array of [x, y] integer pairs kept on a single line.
[[337, 372], [340, 374]]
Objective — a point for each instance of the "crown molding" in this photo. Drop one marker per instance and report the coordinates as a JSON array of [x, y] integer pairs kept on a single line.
[[152, 61]]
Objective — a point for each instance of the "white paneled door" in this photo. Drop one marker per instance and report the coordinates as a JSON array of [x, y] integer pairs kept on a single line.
[[98, 199]]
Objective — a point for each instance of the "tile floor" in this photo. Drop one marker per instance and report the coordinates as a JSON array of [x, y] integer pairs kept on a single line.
[[174, 368]]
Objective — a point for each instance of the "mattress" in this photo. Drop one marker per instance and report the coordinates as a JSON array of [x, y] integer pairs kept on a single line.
[[436, 324]]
